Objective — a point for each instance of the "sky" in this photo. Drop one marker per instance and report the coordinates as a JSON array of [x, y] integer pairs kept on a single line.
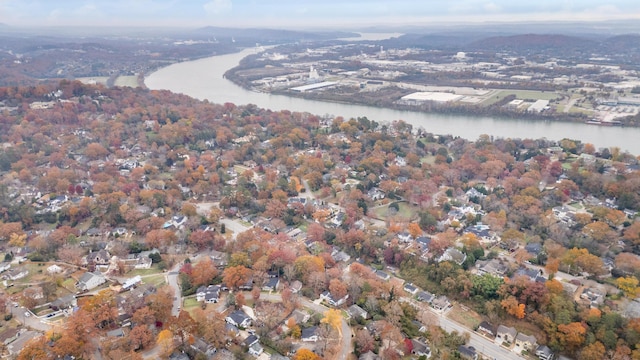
[[305, 13]]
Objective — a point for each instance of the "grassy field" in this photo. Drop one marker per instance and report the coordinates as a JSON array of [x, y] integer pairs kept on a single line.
[[520, 94], [406, 211], [130, 81], [465, 316], [142, 272], [94, 79], [155, 280]]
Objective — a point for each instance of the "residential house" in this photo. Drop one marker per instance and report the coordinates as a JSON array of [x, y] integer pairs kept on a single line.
[[250, 340], [375, 194], [441, 303], [526, 342], [339, 255], [493, 267], [487, 328], [238, 318], [534, 249], [544, 353], [296, 286], [411, 289], [220, 259], [202, 347], [382, 275], [425, 296], [119, 232], [356, 311], [271, 284], [474, 193], [505, 334], [54, 269], [533, 274], [594, 297], [95, 232], [310, 334], [423, 242], [453, 255], [256, 349], [467, 352], [420, 348], [326, 296], [482, 232], [17, 273], [8, 336], [404, 237], [300, 317], [209, 294], [338, 219], [90, 281], [65, 302], [101, 257], [131, 283], [370, 355]]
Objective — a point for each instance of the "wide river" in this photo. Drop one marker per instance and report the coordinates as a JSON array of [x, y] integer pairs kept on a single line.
[[202, 79]]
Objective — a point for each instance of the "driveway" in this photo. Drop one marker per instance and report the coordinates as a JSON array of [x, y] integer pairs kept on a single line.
[[30, 321], [235, 226]]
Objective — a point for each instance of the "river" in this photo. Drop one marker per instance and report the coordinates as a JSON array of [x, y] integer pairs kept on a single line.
[[203, 79]]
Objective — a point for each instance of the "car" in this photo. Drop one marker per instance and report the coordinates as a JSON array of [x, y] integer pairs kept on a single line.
[[15, 304], [27, 314]]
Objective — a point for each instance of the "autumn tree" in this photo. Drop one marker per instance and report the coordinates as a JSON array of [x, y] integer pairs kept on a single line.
[[140, 337], [203, 272], [165, 342], [333, 319], [235, 276], [511, 305], [629, 285], [305, 354], [571, 336]]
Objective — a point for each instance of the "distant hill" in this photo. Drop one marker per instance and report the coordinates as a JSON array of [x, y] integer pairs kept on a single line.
[[622, 43], [533, 42], [430, 41], [267, 36]]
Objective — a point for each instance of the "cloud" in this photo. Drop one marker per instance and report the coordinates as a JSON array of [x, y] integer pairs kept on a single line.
[[216, 7], [492, 7]]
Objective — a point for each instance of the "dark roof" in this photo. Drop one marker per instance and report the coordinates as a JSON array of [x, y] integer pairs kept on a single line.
[[309, 332], [467, 350]]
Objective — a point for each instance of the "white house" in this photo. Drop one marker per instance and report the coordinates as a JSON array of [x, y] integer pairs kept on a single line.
[[54, 269], [238, 318], [90, 281]]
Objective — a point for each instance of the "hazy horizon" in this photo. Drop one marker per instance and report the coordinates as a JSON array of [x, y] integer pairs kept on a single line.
[[304, 13]]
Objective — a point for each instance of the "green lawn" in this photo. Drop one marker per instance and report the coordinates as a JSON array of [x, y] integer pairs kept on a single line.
[[190, 303], [406, 211], [142, 272], [521, 94], [155, 280]]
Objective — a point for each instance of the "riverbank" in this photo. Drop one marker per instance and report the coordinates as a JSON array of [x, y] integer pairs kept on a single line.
[[203, 79]]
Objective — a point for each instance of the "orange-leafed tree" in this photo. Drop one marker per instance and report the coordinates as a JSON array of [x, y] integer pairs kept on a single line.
[[235, 276], [203, 272], [572, 335], [306, 354], [140, 337], [165, 342]]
